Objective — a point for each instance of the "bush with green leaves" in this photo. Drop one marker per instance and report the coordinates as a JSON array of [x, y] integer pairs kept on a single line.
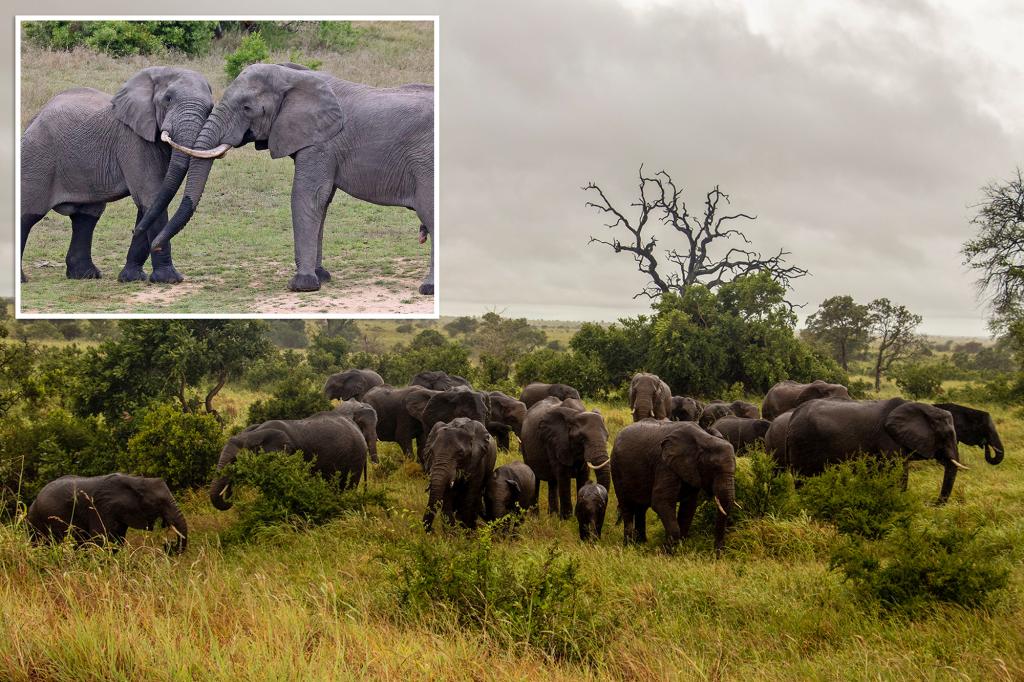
[[919, 380], [179, 447], [277, 368], [122, 38], [862, 496], [253, 50], [584, 371], [338, 35], [919, 564], [763, 490], [326, 355], [289, 399], [514, 595]]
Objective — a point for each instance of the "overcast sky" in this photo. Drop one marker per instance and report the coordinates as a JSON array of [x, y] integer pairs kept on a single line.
[[858, 134]]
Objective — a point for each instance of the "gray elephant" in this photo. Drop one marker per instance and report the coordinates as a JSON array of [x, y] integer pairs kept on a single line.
[[741, 408], [537, 391], [685, 409], [742, 432], [375, 144], [506, 415], [437, 380], [102, 509], [432, 407], [511, 489], [394, 422], [560, 443], [352, 383], [332, 442], [364, 417], [825, 431], [649, 396], [975, 427], [85, 149], [459, 457], [662, 464], [786, 395], [591, 504], [714, 411]]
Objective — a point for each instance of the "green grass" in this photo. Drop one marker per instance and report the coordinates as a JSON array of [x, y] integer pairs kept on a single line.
[[321, 604], [237, 252]]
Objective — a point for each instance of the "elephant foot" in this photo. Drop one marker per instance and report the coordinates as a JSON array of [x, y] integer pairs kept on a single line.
[[83, 271], [322, 275], [427, 289], [166, 274], [132, 273], [23, 277], [304, 283]]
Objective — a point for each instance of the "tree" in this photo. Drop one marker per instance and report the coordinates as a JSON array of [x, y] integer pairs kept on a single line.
[[841, 325], [696, 262], [506, 339], [464, 325], [893, 329], [997, 252]]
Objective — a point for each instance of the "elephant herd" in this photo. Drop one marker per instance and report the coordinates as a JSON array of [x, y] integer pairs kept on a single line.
[[676, 448], [85, 149]]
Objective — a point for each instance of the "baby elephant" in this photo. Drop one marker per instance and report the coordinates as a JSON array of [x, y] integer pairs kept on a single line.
[[102, 508], [512, 488], [591, 503]]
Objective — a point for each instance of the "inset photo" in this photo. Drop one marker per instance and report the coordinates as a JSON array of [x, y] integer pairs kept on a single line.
[[267, 167]]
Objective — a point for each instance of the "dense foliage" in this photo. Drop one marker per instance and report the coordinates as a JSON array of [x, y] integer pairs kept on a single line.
[[253, 50], [180, 447], [123, 38]]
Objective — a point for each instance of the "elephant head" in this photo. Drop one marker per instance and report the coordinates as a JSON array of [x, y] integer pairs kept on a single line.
[[277, 107], [364, 417], [705, 462], [508, 411], [155, 501], [431, 407], [992, 440], [352, 383], [975, 427], [453, 452], [926, 432], [259, 438], [501, 492], [648, 395], [575, 437], [685, 409], [438, 380], [160, 102]]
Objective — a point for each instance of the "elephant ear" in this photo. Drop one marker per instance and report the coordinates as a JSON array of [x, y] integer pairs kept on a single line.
[[416, 402], [679, 451], [269, 440], [135, 105], [554, 429], [310, 114], [911, 428]]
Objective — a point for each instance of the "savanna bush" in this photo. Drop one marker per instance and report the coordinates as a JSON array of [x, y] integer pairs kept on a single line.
[[919, 380], [289, 399], [179, 447], [919, 564], [122, 38], [862, 496], [253, 50], [584, 371], [276, 368], [338, 35], [762, 490], [327, 354], [515, 596]]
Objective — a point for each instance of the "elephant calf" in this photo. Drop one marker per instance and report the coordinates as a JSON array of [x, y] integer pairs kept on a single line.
[[459, 456], [742, 432], [103, 508], [511, 489], [591, 503]]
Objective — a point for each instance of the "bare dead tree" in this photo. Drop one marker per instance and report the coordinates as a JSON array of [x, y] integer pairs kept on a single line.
[[660, 202]]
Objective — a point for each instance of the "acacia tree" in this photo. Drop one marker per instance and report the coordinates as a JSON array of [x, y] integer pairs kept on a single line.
[[842, 325], [893, 327], [695, 261]]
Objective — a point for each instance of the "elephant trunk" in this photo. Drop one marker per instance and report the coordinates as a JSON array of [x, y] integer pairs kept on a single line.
[[198, 173], [643, 407], [220, 488], [174, 519], [724, 491], [440, 481], [995, 443], [952, 465]]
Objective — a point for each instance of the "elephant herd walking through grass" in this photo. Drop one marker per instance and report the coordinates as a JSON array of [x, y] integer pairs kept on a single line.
[[85, 149], [677, 450]]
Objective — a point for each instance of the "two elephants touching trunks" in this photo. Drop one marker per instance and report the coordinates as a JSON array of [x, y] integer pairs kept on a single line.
[[85, 149]]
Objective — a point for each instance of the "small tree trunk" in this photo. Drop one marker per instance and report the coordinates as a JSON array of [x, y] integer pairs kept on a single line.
[[208, 402], [878, 370]]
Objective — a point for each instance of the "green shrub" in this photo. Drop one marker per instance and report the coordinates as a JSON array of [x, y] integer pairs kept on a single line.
[[515, 596], [179, 447], [327, 354], [338, 35], [917, 565], [290, 399], [253, 50], [584, 371], [298, 58], [278, 368], [919, 380], [122, 38], [862, 496], [763, 491]]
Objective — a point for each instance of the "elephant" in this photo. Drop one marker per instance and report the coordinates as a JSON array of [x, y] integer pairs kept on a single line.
[[661, 464], [85, 149], [431, 407], [459, 457], [512, 488], [786, 395], [394, 422], [649, 396], [535, 392], [591, 503], [438, 380], [775, 438], [825, 431], [742, 432], [364, 417], [714, 411], [741, 408], [103, 508], [375, 144], [506, 414], [560, 443], [685, 409], [331, 441], [352, 383], [975, 427]]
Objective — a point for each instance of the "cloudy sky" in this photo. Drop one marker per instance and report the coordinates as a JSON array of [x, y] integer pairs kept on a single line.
[[859, 135]]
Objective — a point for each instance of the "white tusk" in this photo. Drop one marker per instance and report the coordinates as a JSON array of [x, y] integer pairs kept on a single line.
[[958, 465], [216, 153], [178, 532], [720, 507], [595, 467], [737, 505], [224, 489]]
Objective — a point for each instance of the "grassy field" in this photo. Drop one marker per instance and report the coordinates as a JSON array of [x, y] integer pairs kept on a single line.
[[237, 252], [322, 604]]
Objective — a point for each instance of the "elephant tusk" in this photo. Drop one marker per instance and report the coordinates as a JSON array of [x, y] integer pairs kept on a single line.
[[217, 152], [595, 467], [720, 507], [958, 465], [178, 532], [737, 504], [224, 489]]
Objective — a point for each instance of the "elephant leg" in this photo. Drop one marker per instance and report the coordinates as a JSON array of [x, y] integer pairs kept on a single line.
[[321, 273], [564, 495], [553, 496], [687, 508], [468, 509], [448, 509], [664, 497], [138, 252], [905, 477], [425, 212], [28, 221], [628, 526], [164, 271], [640, 516], [311, 189], [79, 257], [598, 525]]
